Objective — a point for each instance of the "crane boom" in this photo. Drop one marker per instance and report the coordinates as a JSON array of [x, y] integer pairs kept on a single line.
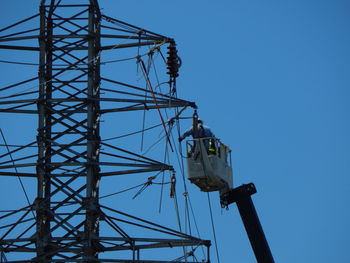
[[242, 197]]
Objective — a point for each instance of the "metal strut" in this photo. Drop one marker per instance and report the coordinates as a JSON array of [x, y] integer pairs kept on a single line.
[[242, 197], [70, 224]]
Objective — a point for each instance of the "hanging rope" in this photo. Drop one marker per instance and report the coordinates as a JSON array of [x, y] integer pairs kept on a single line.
[[122, 191], [144, 186], [154, 98], [132, 133], [188, 206], [213, 228]]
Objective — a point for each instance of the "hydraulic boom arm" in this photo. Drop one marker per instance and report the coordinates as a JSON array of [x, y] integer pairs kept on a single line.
[[242, 197]]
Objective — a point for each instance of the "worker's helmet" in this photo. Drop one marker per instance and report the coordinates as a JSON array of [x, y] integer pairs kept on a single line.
[[200, 121]]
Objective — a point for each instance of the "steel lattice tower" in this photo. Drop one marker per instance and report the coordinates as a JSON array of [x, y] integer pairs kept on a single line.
[[69, 162]]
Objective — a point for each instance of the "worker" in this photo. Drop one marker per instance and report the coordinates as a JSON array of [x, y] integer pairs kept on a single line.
[[202, 131]]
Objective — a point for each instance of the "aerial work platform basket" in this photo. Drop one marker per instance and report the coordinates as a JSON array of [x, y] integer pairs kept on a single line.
[[209, 164]]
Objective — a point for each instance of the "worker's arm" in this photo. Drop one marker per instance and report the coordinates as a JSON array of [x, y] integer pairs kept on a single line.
[[186, 134]]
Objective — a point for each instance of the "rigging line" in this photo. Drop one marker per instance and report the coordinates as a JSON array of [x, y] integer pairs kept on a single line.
[[122, 191], [19, 178], [195, 223], [177, 212], [178, 218], [120, 60], [182, 166], [117, 29], [140, 190], [161, 54], [154, 144], [155, 100], [211, 216], [213, 228], [157, 78], [176, 205], [161, 193], [152, 63], [188, 254], [182, 169], [148, 183], [162, 187], [132, 133], [149, 61], [129, 26], [185, 194], [143, 125], [143, 129]]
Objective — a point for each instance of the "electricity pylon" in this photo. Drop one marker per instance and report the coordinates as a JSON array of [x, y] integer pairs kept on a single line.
[[66, 222]]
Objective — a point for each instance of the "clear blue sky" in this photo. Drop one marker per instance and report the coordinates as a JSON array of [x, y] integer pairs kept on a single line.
[[271, 78]]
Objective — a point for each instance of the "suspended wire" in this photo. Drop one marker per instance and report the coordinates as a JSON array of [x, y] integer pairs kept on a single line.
[[122, 191], [182, 169], [143, 125], [162, 188], [122, 25], [143, 67], [161, 194], [195, 223], [166, 158], [153, 145], [188, 205], [145, 185], [132, 28], [188, 254], [149, 182], [19, 178], [213, 228], [186, 195], [132, 133], [143, 128], [157, 79], [180, 162]]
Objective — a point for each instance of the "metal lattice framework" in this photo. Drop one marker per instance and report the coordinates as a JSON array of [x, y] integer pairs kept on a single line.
[[69, 164]]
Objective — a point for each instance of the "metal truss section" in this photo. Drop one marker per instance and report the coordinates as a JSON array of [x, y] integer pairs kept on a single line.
[[71, 158]]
